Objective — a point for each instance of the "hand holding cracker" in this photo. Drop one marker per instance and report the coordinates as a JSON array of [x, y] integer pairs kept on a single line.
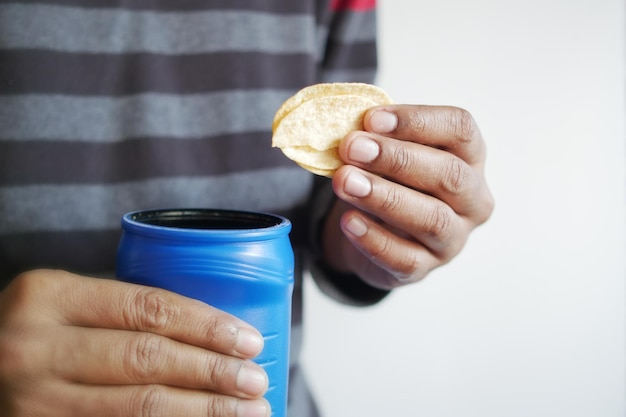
[[411, 191], [409, 179]]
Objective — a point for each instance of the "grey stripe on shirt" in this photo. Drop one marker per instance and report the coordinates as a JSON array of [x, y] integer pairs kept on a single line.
[[109, 119], [115, 31], [76, 207]]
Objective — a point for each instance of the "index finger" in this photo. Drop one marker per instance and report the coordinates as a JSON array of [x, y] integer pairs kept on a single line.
[[445, 127], [103, 303]]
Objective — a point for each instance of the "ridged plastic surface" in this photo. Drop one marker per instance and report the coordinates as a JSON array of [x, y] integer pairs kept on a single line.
[[238, 262]]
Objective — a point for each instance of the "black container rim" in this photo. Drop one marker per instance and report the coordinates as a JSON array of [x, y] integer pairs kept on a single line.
[[161, 223]]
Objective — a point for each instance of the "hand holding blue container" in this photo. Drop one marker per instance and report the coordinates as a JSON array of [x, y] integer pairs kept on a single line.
[[237, 261]]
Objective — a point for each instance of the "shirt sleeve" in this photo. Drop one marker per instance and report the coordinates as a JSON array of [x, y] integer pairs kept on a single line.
[[348, 53], [348, 48]]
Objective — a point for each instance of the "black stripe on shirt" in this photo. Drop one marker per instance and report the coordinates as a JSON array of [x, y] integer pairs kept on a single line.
[[91, 252], [35, 162], [36, 71]]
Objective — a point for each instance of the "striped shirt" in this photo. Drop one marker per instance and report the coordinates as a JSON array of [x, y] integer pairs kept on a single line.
[[109, 106]]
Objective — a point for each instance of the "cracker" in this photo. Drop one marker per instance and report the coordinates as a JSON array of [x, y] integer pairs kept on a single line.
[[309, 126]]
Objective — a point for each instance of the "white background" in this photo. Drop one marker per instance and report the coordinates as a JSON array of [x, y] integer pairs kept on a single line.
[[529, 320]]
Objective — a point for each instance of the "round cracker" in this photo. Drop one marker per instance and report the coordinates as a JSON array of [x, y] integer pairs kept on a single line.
[[318, 171], [309, 126], [376, 94], [320, 123], [327, 159]]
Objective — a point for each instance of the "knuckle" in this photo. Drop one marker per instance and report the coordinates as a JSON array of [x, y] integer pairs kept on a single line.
[[462, 125], [216, 333], [401, 160], [439, 223], [456, 176], [222, 406], [382, 248], [151, 311], [21, 355], [402, 265], [392, 200], [26, 286], [32, 288], [409, 268], [142, 357], [418, 123], [148, 401], [218, 370]]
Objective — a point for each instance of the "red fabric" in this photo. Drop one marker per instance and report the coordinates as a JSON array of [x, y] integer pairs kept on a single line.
[[358, 5]]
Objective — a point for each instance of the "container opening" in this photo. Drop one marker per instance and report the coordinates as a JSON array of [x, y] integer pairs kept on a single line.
[[206, 219]]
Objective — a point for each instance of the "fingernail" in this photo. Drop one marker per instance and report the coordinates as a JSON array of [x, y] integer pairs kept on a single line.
[[357, 185], [363, 149], [249, 343], [251, 380], [259, 408], [383, 122], [356, 226]]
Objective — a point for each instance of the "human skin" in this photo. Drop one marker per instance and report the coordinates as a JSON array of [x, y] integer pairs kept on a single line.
[[77, 346], [411, 191]]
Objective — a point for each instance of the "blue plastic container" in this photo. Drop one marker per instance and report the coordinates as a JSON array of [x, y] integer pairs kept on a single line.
[[240, 262]]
